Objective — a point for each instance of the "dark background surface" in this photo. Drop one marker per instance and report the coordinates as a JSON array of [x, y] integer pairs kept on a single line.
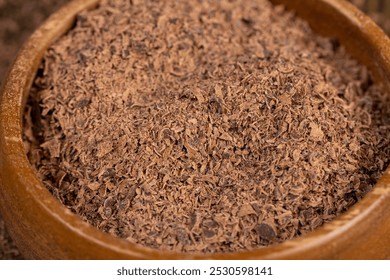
[[18, 19]]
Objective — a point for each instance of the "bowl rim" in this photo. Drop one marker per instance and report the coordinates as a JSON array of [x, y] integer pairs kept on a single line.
[[12, 101]]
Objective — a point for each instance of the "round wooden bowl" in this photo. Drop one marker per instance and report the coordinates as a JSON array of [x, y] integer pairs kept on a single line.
[[43, 228]]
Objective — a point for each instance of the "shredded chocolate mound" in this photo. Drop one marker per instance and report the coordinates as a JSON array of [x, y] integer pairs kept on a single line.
[[204, 126]]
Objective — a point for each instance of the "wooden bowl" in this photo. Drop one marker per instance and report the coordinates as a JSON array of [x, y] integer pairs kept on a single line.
[[43, 228]]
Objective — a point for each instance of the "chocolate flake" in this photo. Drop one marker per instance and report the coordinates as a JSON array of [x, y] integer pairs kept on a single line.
[[266, 231]]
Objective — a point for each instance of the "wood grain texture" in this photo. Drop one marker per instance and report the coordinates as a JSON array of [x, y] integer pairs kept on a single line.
[[18, 19]]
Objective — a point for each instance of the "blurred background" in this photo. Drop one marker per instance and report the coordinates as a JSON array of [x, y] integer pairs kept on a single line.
[[18, 18], [378, 10]]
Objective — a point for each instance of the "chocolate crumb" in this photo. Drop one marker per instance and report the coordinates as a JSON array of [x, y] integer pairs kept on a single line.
[[265, 231]]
